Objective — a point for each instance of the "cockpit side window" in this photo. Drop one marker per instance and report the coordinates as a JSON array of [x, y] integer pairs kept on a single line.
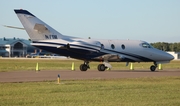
[[102, 46], [146, 45]]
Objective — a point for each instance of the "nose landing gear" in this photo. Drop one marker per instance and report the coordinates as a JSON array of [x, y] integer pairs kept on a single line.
[[153, 67]]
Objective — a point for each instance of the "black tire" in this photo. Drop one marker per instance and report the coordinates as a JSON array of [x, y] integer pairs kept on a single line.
[[83, 67], [101, 67], [153, 68]]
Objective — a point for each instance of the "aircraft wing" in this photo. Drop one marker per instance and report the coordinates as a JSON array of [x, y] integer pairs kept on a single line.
[[110, 57]]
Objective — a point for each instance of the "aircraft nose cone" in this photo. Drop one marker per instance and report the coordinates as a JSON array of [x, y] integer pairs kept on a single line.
[[169, 56]]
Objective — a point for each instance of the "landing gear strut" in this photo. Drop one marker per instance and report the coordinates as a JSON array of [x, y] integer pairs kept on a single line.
[[153, 67], [85, 66]]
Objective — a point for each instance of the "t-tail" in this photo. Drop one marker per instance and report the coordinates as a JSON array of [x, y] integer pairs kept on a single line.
[[36, 29]]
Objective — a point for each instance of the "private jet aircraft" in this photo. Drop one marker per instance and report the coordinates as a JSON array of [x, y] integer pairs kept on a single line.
[[45, 37]]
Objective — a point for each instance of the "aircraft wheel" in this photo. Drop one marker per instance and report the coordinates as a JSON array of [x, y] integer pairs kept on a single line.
[[153, 68], [83, 67], [101, 67]]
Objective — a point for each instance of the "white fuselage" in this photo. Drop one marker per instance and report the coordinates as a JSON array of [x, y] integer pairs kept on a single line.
[[95, 49]]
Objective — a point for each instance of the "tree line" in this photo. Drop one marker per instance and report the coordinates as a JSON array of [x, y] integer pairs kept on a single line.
[[167, 46]]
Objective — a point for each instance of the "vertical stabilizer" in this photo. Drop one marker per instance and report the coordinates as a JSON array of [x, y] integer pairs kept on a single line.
[[36, 29]]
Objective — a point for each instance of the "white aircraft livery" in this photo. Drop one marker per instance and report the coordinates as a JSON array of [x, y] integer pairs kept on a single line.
[[45, 37]]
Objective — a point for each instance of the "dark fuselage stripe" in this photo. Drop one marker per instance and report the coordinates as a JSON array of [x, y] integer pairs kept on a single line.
[[132, 55]]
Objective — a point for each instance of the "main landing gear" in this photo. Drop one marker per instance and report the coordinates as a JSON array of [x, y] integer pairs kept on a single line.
[[153, 67], [85, 66], [101, 67]]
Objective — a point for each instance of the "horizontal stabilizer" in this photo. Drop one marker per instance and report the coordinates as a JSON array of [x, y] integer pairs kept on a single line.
[[13, 27]]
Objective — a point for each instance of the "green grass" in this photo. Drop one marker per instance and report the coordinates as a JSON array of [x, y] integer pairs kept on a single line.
[[59, 64], [162, 91]]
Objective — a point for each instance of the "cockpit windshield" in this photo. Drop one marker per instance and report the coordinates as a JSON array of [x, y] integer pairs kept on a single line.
[[146, 45]]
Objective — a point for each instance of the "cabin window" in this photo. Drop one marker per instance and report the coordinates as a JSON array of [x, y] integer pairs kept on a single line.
[[112, 46], [123, 46]]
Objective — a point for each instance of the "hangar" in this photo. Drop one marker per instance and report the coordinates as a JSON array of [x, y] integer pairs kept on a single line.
[[15, 47]]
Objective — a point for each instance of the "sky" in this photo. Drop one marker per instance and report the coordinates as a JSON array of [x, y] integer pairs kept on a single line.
[[148, 20]]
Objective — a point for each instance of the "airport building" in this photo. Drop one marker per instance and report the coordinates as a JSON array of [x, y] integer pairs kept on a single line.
[[15, 47], [176, 55]]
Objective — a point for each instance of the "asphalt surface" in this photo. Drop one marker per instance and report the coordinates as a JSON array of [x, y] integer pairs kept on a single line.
[[28, 76]]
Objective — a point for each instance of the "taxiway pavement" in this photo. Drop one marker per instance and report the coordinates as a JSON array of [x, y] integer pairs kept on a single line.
[[26, 76]]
